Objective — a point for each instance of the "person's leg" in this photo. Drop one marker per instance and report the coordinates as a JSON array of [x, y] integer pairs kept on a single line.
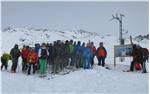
[[144, 68], [71, 61], [15, 66], [77, 63], [89, 62], [56, 66], [99, 61], [2, 66], [12, 67], [103, 62], [59, 64], [92, 60], [53, 66], [33, 67], [41, 66], [29, 69], [132, 66], [6, 65], [23, 64], [75, 60], [45, 66], [84, 63]]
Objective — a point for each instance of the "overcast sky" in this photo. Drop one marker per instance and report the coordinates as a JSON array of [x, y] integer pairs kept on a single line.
[[90, 16]]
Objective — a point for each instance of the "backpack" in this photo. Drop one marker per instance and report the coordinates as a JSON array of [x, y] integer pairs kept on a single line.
[[137, 66], [6, 56], [43, 53]]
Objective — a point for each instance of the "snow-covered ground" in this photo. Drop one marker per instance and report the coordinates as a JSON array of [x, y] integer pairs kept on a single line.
[[96, 80]]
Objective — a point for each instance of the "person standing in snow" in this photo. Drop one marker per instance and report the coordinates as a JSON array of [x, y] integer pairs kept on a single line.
[[78, 54], [74, 54], [24, 54], [87, 56], [71, 52], [66, 53], [82, 53], [50, 56], [37, 48], [58, 57], [43, 56], [32, 59], [101, 54], [15, 54], [4, 60], [93, 53]]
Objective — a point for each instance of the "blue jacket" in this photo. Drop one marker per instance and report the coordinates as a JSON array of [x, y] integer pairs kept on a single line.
[[37, 49], [78, 49], [87, 57]]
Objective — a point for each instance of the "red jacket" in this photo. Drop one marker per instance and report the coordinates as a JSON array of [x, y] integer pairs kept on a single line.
[[93, 50], [32, 57], [25, 53]]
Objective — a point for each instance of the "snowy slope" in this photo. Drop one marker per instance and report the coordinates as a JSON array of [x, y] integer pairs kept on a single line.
[[97, 80]]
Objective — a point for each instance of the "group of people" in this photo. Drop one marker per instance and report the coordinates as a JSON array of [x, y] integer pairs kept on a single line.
[[59, 55], [55, 56]]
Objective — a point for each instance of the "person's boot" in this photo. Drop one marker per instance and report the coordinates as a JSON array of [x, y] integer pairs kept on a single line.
[[99, 64]]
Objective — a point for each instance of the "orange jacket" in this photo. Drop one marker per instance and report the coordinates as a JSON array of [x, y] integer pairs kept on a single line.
[[101, 52], [32, 57]]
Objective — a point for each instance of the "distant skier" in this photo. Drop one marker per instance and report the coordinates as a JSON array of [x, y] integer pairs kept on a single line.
[[101, 54], [43, 56], [15, 54], [4, 60]]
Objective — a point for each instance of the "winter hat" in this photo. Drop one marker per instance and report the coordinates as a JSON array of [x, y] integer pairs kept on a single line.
[[16, 46], [79, 43]]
